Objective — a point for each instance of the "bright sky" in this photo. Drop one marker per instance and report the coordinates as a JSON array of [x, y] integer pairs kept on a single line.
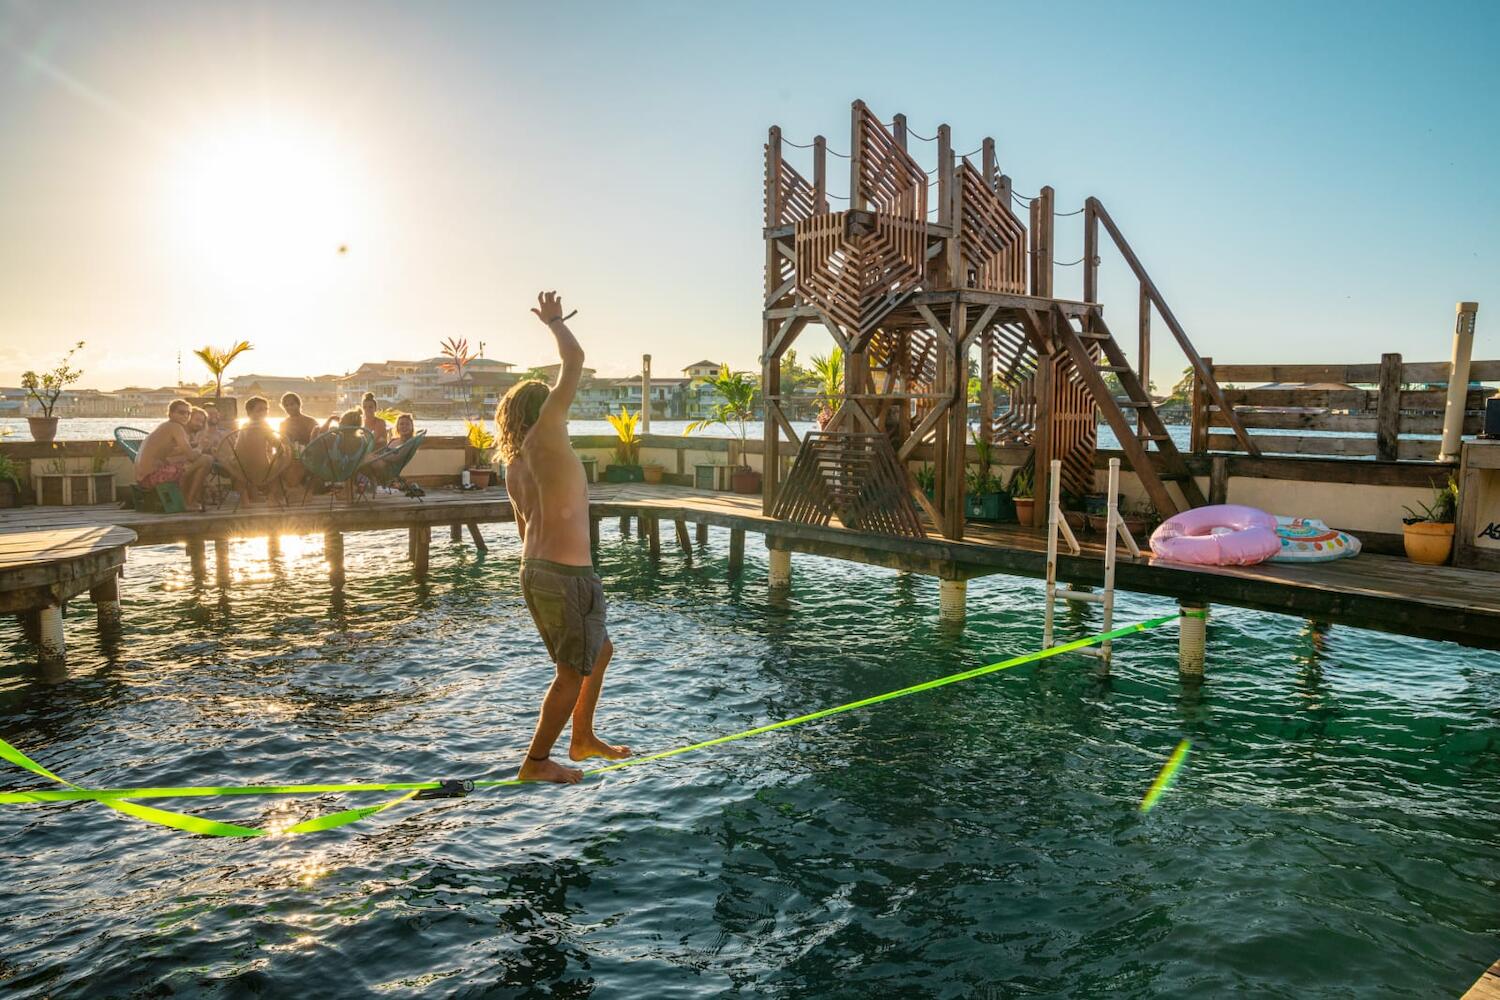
[[1305, 182]]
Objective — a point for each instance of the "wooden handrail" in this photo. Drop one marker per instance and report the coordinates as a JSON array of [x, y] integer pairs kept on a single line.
[[1203, 371]]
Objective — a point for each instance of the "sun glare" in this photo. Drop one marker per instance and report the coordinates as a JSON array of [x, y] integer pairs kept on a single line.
[[264, 208]]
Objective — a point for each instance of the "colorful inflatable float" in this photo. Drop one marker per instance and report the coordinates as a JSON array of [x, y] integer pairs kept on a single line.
[[1306, 539], [1235, 535]]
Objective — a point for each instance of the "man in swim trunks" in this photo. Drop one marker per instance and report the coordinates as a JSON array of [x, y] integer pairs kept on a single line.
[[167, 456], [550, 495]]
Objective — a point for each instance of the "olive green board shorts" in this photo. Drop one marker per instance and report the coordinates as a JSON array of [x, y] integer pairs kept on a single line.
[[567, 604]]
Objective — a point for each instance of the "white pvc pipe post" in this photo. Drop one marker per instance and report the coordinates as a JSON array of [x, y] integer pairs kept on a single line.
[[1458, 380]]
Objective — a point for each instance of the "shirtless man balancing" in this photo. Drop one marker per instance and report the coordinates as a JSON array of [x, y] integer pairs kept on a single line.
[[167, 456], [547, 487]]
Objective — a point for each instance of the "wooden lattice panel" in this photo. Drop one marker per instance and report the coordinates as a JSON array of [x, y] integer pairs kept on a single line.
[[993, 239], [852, 476], [890, 182], [795, 198], [858, 278], [1075, 426], [1015, 365]]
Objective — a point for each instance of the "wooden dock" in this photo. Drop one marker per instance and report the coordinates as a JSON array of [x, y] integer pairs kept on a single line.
[[1371, 591]]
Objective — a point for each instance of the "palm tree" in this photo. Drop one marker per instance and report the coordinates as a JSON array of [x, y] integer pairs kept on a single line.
[[217, 360], [829, 375]]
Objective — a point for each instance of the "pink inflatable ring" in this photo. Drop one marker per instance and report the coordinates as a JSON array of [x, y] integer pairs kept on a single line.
[[1222, 535]]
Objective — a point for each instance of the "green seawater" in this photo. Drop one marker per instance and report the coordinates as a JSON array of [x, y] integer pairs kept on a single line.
[[1334, 833]]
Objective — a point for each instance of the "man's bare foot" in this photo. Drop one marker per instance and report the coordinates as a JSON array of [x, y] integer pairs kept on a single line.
[[548, 770], [595, 747]]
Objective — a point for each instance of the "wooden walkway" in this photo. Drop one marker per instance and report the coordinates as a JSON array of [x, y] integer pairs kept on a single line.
[[1371, 591]]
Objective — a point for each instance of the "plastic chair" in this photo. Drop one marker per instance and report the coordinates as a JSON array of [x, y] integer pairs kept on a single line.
[[167, 497], [383, 468], [334, 457]]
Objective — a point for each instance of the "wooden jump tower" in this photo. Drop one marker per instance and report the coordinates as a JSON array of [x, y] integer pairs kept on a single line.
[[917, 273]]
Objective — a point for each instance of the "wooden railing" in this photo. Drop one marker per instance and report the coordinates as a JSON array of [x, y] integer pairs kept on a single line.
[[1391, 411]]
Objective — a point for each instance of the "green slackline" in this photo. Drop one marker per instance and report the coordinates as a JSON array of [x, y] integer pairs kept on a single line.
[[1166, 776], [115, 798]]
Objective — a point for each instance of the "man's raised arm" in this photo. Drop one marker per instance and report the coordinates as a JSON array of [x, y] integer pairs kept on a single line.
[[550, 311]]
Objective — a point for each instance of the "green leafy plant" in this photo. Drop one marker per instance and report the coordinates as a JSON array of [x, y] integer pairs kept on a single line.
[[981, 478], [390, 416], [628, 442], [738, 392], [1442, 510], [100, 458], [217, 359], [480, 439], [47, 386], [11, 471], [1022, 483], [926, 477]]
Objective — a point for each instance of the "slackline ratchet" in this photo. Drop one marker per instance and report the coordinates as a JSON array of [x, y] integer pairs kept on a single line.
[[118, 798]]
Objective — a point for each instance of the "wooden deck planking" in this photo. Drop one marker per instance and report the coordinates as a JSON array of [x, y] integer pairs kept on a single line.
[[1371, 591], [1487, 987]]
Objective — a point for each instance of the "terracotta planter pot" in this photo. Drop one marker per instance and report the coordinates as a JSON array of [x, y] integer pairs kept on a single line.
[[1077, 520], [43, 429], [481, 477], [1024, 507], [1428, 543], [652, 473], [746, 481]]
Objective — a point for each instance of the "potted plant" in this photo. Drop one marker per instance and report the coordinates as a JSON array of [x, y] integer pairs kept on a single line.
[[45, 388], [481, 443], [1074, 514], [627, 464], [1022, 485], [216, 360], [590, 467], [652, 472], [1428, 536], [829, 372], [1139, 519], [738, 392], [10, 482], [985, 498]]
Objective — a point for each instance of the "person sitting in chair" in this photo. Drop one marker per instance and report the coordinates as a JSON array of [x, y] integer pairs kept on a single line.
[[167, 456], [255, 457], [297, 429], [373, 423]]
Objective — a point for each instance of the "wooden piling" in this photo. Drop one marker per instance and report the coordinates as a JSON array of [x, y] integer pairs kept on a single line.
[[652, 528], [736, 552], [624, 525], [455, 532], [683, 542], [420, 540], [702, 532], [477, 538], [50, 645], [221, 563], [779, 569], [106, 598], [593, 532], [333, 554], [197, 558]]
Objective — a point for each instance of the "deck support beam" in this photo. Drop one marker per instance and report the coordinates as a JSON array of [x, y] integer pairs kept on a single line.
[[652, 526], [333, 554], [702, 532], [736, 552], [49, 637], [593, 532], [683, 541], [455, 532], [952, 600], [624, 525], [106, 597], [477, 538], [1192, 631]]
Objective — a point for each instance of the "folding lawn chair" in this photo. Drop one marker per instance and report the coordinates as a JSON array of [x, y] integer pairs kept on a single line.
[[164, 498], [267, 481]]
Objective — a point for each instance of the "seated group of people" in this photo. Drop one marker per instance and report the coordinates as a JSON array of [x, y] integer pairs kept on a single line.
[[258, 457]]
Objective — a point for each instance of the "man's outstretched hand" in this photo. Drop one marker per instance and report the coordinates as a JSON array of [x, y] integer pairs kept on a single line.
[[549, 307]]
